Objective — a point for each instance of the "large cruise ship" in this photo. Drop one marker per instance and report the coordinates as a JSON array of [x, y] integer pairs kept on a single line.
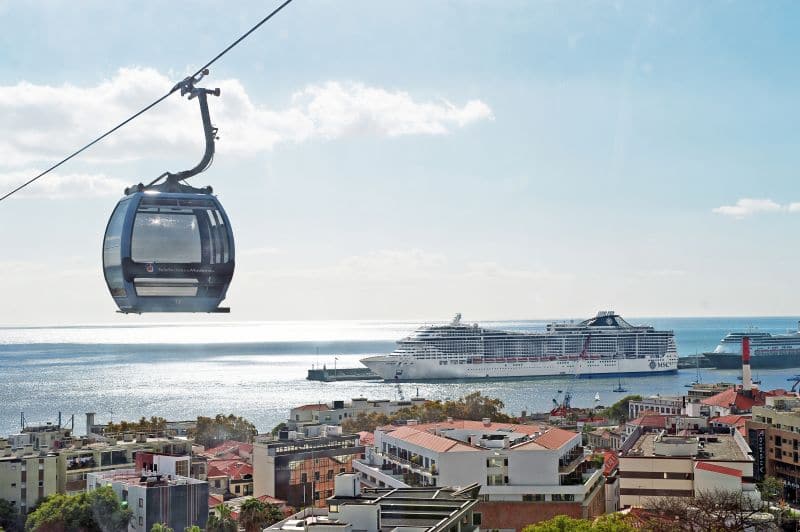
[[766, 350], [602, 346]]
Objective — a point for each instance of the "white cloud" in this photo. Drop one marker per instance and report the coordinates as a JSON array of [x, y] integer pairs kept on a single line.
[[47, 121], [750, 206], [59, 186]]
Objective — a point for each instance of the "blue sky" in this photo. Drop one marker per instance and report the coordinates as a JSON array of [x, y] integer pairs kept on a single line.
[[410, 160]]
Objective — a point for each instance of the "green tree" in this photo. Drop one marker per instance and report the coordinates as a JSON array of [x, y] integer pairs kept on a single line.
[[254, 515], [562, 523], [9, 517], [474, 406], [221, 520], [193, 528], [96, 511], [771, 489], [161, 527], [279, 427], [619, 410], [210, 432]]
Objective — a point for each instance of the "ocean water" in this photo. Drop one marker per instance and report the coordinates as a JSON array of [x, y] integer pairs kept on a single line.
[[258, 370]]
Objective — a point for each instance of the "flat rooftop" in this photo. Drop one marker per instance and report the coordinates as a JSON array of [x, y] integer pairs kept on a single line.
[[130, 477], [717, 446]]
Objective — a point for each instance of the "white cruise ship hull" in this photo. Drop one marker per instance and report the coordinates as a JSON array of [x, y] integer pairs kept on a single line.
[[401, 368]]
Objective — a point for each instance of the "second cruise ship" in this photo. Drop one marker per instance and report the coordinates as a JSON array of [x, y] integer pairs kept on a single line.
[[602, 346]]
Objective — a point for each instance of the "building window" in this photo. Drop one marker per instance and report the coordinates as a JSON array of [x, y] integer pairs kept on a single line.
[[536, 497], [303, 478], [316, 495], [330, 474], [476, 518], [141, 504], [316, 475], [141, 521]]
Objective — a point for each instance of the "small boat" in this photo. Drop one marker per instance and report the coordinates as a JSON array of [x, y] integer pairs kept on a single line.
[[620, 388], [597, 396]]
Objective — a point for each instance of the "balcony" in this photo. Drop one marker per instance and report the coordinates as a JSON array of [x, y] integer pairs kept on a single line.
[[569, 462], [418, 468]]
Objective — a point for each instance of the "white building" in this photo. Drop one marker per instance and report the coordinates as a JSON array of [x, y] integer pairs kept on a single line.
[[513, 464]]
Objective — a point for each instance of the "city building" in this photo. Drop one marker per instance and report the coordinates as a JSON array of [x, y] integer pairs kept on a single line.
[[26, 475], [774, 435], [666, 405], [662, 465], [75, 462], [300, 470], [175, 501], [231, 477], [526, 473], [604, 438], [338, 411], [378, 510]]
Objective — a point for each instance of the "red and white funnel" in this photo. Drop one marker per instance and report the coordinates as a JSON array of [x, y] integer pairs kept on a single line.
[[747, 379]]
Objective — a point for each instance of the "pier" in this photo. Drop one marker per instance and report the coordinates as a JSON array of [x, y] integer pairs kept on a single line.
[[341, 374]]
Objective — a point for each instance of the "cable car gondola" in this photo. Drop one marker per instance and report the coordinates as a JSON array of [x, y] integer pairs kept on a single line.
[[169, 247]]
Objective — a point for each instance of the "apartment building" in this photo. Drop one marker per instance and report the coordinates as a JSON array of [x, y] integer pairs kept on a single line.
[[525, 473], [75, 462], [175, 501], [774, 435], [300, 470], [662, 465], [26, 476]]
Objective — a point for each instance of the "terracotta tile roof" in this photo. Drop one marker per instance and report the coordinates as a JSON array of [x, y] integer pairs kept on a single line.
[[556, 438], [366, 437], [650, 420], [233, 469], [733, 397], [708, 466], [528, 446], [479, 425], [430, 441], [237, 448], [214, 500], [735, 420], [610, 462]]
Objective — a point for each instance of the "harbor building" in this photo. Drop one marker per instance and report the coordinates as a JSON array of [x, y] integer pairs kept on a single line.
[[662, 465], [157, 498], [376, 510], [774, 435], [339, 411], [300, 470], [525, 473]]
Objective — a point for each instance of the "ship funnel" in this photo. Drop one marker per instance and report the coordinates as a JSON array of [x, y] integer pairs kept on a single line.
[[747, 380]]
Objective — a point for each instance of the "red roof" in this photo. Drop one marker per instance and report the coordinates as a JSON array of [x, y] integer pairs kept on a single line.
[[733, 419], [733, 397], [233, 469], [555, 438], [230, 450], [479, 425], [651, 421], [430, 441], [366, 437], [708, 466], [610, 462]]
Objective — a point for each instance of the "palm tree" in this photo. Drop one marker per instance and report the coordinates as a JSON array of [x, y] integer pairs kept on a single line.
[[254, 515], [222, 520]]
